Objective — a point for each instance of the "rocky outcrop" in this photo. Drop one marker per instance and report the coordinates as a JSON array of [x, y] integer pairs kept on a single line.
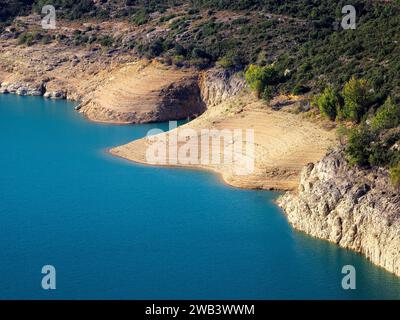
[[144, 92], [110, 85], [150, 92], [180, 100], [26, 88], [217, 85], [176, 101], [355, 208], [32, 88]]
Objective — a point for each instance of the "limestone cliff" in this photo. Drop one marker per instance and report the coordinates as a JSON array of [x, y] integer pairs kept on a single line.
[[143, 92], [149, 92], [355, 208], [218, 85]]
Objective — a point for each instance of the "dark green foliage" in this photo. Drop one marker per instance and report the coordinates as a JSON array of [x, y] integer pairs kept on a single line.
[[395, 174], [374, 145], [12, 8], [311, 46], [357, 95], [300, 89], [106, 41], [258, 78], [232, 59], [329, 103], [29, 38], [387, 116], [359, 146], [71, 9], [140, 17], [268, 93], [379, 155]]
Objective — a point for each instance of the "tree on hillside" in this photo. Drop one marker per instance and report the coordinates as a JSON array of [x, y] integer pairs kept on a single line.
[[359, 145], [259, 78], [387, 116], [358, 96], [329, 103]]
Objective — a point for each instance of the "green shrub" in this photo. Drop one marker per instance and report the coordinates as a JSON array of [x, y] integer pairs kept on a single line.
[[178, 60], [387, 116], [231, 59], [357, 98], [167, 17], [140, 17], [395, 174], [358, 146], [342, 132], [300, 89], [29, 38], [329, 103], [258, 78], [268, 93], [379, 155], [179, 23], [106, 41]]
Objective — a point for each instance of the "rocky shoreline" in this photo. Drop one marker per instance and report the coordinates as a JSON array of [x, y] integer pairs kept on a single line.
[[355, 208]]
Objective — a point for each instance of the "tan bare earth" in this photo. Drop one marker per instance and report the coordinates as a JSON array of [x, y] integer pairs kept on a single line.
[[284, 143], [73, 71], [138, 93]]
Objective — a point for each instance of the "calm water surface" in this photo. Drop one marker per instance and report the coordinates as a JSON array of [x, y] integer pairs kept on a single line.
[[117, 230]]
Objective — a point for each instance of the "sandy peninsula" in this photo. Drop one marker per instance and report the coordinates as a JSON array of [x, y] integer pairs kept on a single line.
[[283, 143]]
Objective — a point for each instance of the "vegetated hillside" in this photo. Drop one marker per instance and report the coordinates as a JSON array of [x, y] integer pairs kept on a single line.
[[12, 8], [302, 37], [293, 47]]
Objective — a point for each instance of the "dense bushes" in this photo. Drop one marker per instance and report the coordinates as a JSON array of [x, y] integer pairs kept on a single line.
[[310, 46], [374, 138], [359, 145], [231, 59], [376, 141], [68, 9], [357, 95], [11, 8], [387, 116], [329, 103], [300, 89], [30, 38], [352, 103], [260, 79], [140, 17], [395, 174]]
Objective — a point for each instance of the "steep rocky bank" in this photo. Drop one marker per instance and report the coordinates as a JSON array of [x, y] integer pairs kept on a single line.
[[114, 88], [218, 85], [142, 92], [358, 209], [55, 71]]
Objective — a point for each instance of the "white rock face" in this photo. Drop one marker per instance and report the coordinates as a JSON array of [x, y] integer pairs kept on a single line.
[[355, 208], [22, 88], [31, 88], [217, 85], [59, 94]]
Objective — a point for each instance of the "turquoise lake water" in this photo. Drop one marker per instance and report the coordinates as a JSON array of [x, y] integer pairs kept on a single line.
[[118, 230]]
